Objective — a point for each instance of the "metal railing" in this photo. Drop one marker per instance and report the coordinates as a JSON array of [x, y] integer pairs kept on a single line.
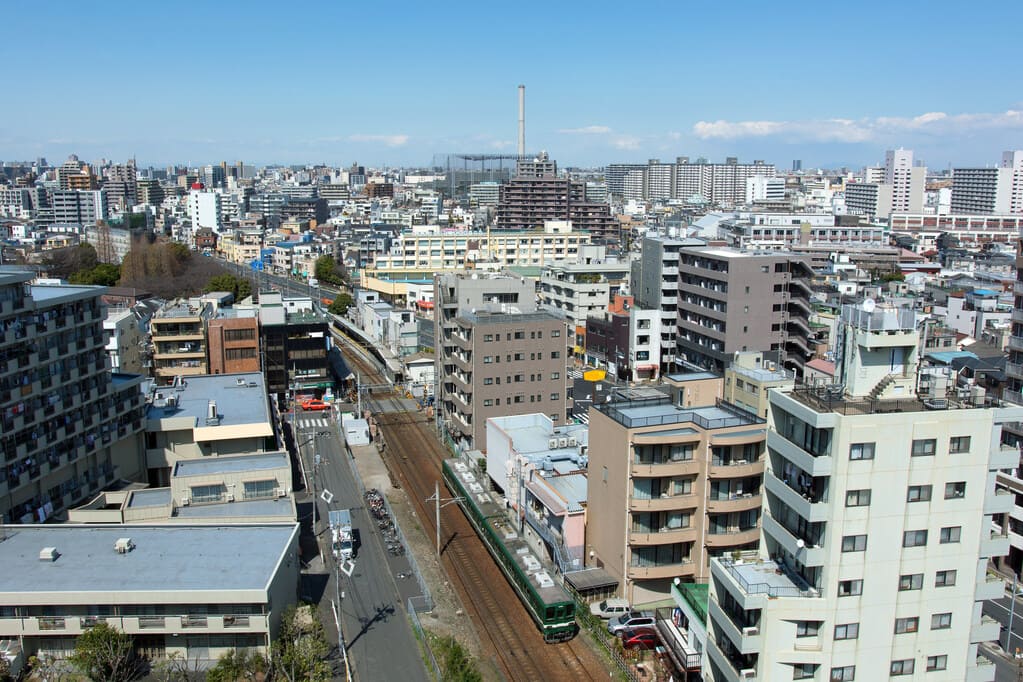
[[421, 635]]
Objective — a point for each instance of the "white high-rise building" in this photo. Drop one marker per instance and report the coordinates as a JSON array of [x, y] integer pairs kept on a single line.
[[906, 179], [879, 500], [997, 191], [204, 210], [760, 188]]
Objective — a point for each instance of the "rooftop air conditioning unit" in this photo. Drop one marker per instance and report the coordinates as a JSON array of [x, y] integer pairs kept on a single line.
[[123, 545], [229, 497], [185, 501], [572, 442], [282, 492], [552, 443], [562, 442]]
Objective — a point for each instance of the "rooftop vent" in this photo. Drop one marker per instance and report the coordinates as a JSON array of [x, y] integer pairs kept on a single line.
[[212, 419], [48, 554], [123, 545]]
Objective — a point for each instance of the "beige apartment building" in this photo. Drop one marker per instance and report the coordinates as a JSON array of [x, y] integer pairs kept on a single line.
[[179, 340], [669, 488]]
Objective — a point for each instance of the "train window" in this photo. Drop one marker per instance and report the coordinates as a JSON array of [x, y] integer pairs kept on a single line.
[[550, 613]]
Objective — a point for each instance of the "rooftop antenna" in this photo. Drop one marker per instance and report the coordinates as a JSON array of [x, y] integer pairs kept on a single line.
[[522, 122]]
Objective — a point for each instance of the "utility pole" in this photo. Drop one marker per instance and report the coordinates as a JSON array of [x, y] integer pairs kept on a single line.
[[1012, 613], [436, 499]]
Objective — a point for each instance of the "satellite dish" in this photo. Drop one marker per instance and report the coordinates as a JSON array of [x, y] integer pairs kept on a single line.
[[868, 305]]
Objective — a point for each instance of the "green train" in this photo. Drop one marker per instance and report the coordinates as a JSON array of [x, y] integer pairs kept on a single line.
[[549, 604]]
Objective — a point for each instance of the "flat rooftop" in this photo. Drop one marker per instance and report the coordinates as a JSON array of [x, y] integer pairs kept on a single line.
[[767, 576], [821, 399], [241, 399], [169, 558], [223, 465], [150, 497], [662, 412], [280, 507]]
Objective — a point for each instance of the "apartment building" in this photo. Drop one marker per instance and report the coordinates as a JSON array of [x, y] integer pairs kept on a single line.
[[577, 291], [178, 333], [204, 210], [778, 231], [871, 199], [717, 183], [206, 416], [654, 283], [79, 208], [296, 344], [526, 203], [496, 354], [992, 191], [232, 340], [906, 180], [676, 486], [625, 341], [126, 342], [615, 174], [731, 300], [970, 231], [68, 426], [195, 591], [1011, 479], [877, 526]]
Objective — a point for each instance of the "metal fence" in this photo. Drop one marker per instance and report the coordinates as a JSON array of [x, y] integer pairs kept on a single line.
[[597, 631], [413, 614]]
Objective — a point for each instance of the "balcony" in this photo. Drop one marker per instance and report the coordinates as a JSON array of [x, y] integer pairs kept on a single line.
[[812, 509], [672, 570], [736, 469], [152, 622], [990, 587], [986, 630], [1016, 343], [733, 503], [730, 669], [1003, 457], [746, 639], [981, 670], [996, 544], [51, 623], [667, 468], [663, 503], [734, 537], [814, 466], [662, 536], [1000, 501], [805, 551]]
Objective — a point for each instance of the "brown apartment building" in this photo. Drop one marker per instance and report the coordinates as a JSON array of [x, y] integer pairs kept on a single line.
[[669, 487], [233, 342]]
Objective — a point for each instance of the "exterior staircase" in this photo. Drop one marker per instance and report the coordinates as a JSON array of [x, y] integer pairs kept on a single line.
[[882, 386]]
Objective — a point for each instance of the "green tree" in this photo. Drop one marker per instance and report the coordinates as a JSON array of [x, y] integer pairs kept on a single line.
[[105, 654], [340, 305], [237, 665], [300, 651], [104, 274], [239, 286], [330, 271], [455, 663]]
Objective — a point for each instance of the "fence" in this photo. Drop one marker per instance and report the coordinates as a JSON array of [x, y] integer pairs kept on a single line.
[[598, 632], [421, 636]]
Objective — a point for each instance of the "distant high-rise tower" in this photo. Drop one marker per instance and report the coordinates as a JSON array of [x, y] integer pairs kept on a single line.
[[797, 165], [906, 179]]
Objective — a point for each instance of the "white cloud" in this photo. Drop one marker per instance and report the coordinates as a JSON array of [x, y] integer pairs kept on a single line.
[[389, 140], [860, 130], [626, 142], [586, 130]]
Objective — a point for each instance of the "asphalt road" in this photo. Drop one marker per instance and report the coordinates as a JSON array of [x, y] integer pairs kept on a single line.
[[379, 638]]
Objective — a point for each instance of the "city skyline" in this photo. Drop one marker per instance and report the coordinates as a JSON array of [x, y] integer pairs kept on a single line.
[[336, 85]]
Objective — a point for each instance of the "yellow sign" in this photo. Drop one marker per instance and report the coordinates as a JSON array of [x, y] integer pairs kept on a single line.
[[594, 375]]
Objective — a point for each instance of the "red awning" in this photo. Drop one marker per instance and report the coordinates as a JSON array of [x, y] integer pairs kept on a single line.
[[424, 305]]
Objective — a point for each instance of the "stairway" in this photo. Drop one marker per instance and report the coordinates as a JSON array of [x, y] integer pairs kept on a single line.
[[882, 386]]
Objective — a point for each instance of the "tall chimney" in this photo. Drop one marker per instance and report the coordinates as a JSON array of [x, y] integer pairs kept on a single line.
[[522, 121]]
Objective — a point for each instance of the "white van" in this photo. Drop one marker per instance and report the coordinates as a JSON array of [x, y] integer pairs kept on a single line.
[[610, 608]]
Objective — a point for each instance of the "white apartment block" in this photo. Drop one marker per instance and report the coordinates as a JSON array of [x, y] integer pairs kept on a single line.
[[204, 210], [877, 526], [996, 191], [972, 231], [761, 188], [906, 179], [868, 199], [782, 230]]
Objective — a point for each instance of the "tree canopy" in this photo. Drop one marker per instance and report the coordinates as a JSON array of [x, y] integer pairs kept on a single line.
[[340, 305], [103, 653], [300, 651], [330, 271], [103, 273], [239, 286]]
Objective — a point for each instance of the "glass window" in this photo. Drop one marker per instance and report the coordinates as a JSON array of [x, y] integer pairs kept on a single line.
[[854, 543], [914, 538], [857, 498], [903, 666], [941, 621], [850, 588], [937, 663], [807, 628], [950, 534], [955, 490], [208, 493], [847, 631], [804, 671], [904, 625], [861, 451], [924, 447], [254, 489], [911, 581], [846, 673], [919, 493], [958, 444], [944, 578]]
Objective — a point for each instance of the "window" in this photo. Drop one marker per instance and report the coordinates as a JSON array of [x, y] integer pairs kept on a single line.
[[208, 493], [911, 581], [847, 631], [257, 489], [520, 335], [854, 543], [955, 490], [487, 402], [919, 493], [843, 674], [488, 337], [861, 451], [804, 671], [239, 334], [950, 534], [850, 588], [555, 396], [958, 444], [944, 578], [239, 353], [914, 538], [556, 333], [518, 399], [903, 666], [555, 376], [904, 625], [488, 381], [555, 355], [941, 621], [487, 359], [807, 628], [937, 663], [924, 447], [857, 498], [520, 356]]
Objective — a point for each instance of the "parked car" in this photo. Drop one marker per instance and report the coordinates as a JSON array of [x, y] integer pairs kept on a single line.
[[631, 620], [639, 638], [610, 608], [315, 405]]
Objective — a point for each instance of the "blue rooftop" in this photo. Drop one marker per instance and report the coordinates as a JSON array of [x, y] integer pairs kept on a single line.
[[240, 398], [280, 506], [221, 465], [947, 356], [151, 497]]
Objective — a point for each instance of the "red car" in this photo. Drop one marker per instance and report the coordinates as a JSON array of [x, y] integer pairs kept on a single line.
[[639, 638], [314, 405]]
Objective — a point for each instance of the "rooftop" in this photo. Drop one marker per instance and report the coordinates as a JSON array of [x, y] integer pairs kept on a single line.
[[208, 466], [766, 576], [763, 374], [240, 398], [662, 412], [280, 507], [826, 399], [150, 497], [208, 559]]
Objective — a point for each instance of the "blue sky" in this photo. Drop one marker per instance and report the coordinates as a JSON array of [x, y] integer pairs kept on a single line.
[[828, 83]]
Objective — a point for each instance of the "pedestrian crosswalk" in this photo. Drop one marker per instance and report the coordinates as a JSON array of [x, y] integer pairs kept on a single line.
[[312, 423], [582, 418], [575, 374]]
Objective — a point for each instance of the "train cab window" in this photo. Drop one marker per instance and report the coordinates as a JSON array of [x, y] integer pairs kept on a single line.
[[550, 612]]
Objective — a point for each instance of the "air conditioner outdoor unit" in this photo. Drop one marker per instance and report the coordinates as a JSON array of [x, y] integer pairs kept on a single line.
[[572, 442], [748, 674], [562, 442], [185, 501], [552, 443], [229, 497], [282, 492]]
